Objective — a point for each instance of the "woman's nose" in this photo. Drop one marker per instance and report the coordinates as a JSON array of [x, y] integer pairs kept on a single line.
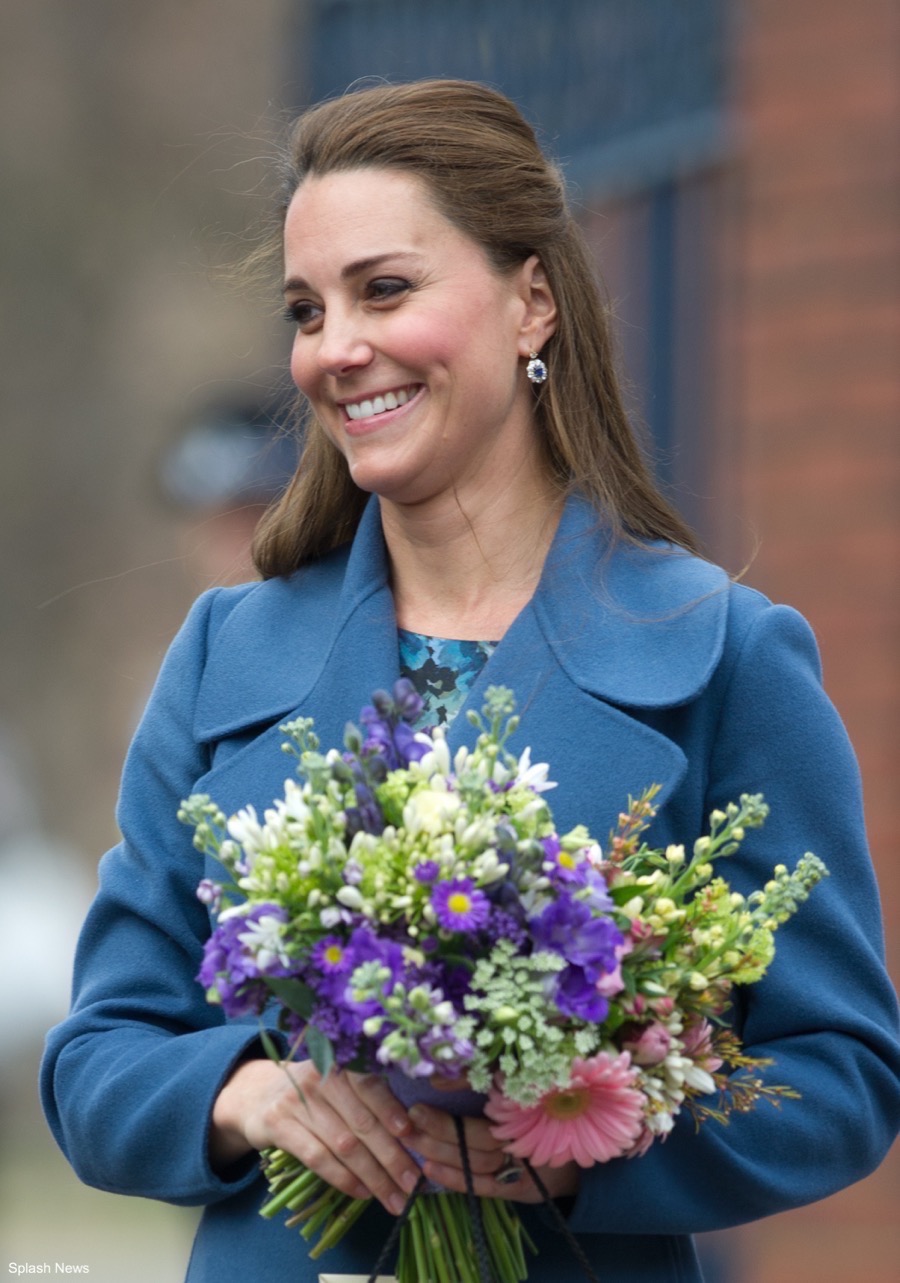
[[342, 344]]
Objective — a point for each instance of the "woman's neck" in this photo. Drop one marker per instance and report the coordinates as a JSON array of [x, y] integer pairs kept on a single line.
[[464, 567]]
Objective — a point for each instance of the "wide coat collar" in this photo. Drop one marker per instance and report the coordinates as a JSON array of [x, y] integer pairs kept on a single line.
[[612, 629]]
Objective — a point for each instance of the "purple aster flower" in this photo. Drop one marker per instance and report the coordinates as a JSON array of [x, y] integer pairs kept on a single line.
[[330, 956], [562, 867], [427, 871], [460, 906]]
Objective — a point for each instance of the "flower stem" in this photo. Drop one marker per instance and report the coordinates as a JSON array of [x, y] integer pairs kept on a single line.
[[339, 1226]]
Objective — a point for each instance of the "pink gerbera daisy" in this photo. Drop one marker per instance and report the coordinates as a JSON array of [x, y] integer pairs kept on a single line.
[[598, 1116]]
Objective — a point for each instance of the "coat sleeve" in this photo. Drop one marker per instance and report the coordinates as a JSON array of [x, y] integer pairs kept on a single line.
[[129, 1078], [825, 1013]]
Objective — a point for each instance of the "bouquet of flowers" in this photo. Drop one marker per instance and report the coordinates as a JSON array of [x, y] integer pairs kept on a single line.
[[414, 913]]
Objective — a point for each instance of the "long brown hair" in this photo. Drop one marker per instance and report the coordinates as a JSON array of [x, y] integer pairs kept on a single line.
[[485, 172]]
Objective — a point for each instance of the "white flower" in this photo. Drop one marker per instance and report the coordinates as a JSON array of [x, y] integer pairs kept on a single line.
[[594, 855], [246, 829], [437, 762], [533, 776], [295, 806], [264, 938], [349, 897], [698, 1079], [429, 810]]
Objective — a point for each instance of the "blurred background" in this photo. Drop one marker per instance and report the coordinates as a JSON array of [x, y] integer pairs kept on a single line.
[[736, 166]]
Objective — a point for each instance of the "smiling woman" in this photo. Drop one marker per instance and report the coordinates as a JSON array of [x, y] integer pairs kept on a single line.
[[471, 510], [411, 348]]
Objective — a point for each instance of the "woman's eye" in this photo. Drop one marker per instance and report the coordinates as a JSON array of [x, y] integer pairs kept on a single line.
[[303, 314], [386, 288]]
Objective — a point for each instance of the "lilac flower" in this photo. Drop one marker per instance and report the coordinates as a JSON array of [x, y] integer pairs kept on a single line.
[[388, 725], [454, 981], [209, 892], [568, 927], [389, 743], [576, 994], [364, 946], [444, 1052], [365, 818], [460, 906], [240, 951], [379, 740], [409, 749], [408, 701], [427, 871], [504, 925], [353, 873], [598, 900], [341, 1028]]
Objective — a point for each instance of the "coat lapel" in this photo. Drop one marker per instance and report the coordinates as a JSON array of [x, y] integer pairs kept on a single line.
[[612, 631], [314, 645]]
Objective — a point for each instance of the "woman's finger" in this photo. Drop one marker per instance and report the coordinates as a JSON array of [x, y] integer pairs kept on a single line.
[[376, 1095], [441, 1127], [349, 1123], [558, 1181], [330, 1127], [447, 1152]]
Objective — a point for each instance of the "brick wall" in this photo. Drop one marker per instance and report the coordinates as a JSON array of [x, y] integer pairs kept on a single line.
[[813, 260]]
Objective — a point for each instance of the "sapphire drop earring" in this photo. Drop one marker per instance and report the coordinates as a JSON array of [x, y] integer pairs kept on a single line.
[[535, 369]]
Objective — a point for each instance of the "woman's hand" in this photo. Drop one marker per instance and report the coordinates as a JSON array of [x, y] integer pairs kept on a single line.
[[435, 1139], [345, 1127]]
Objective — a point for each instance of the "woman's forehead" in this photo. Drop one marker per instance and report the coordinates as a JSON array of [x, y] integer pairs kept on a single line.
[[349, 217]]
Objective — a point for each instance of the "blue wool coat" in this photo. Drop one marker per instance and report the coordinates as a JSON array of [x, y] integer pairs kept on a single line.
[[630, 666]]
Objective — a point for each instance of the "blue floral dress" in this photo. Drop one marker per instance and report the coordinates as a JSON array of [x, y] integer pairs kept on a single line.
[[442, 670]]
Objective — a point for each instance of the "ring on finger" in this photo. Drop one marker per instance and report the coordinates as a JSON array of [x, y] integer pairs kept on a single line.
[[509, 1172]]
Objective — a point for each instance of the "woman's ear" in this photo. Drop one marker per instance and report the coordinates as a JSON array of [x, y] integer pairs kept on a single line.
[[540, 315]]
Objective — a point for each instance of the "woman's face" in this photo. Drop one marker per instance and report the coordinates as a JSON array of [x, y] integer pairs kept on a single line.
[[409, 344]]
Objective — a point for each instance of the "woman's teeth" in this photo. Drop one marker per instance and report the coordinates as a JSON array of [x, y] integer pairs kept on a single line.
[[378, 405]]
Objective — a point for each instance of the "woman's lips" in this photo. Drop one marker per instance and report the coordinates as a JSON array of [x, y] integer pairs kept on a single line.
[[383, 404]]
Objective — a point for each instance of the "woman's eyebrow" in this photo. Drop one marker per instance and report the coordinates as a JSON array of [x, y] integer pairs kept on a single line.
[[353, 269]]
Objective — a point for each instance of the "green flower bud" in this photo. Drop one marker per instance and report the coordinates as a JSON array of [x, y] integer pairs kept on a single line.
[[504, 1015]]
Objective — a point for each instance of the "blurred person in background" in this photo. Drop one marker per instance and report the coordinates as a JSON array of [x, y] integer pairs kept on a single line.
[[218, 474], [471, 498]]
